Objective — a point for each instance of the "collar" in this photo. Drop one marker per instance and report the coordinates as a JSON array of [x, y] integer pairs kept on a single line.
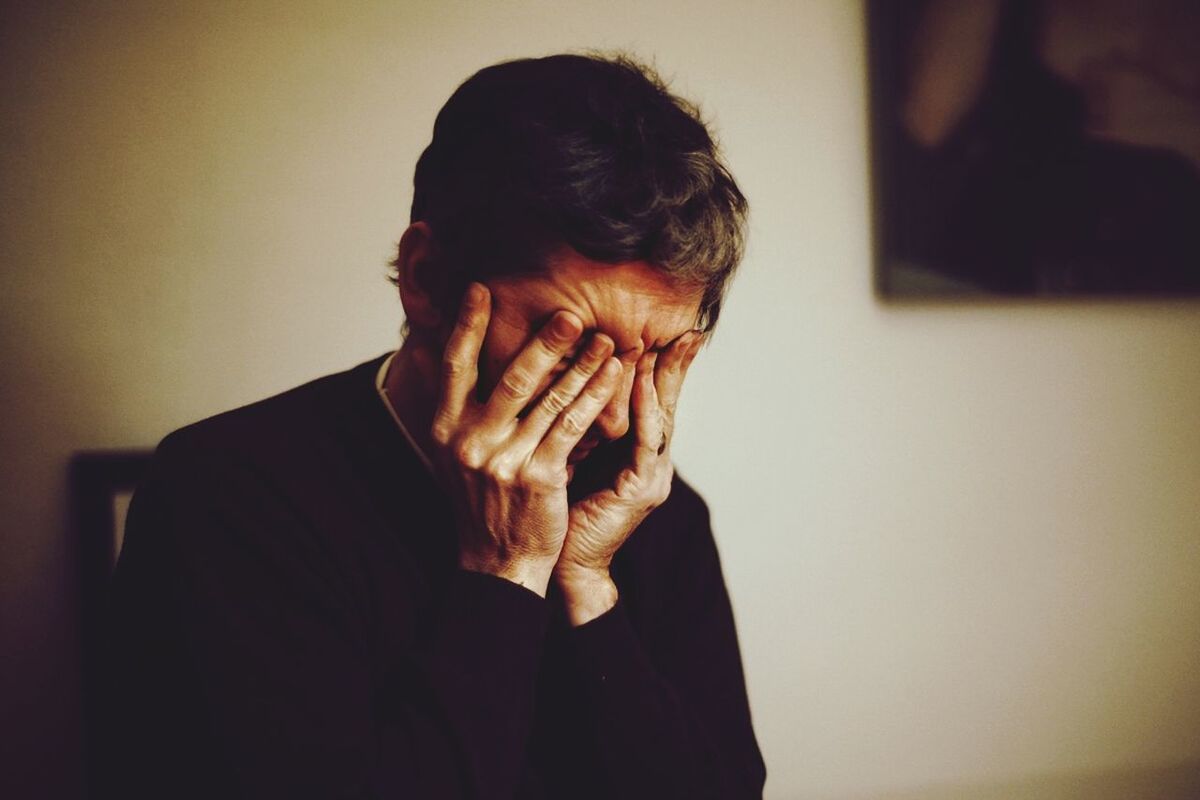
[[381, 388]]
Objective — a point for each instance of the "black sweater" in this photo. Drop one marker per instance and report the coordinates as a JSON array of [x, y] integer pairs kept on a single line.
[[287, 620]]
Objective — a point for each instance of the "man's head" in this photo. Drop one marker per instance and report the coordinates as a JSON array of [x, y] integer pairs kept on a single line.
[[572, 182], [590, 153]]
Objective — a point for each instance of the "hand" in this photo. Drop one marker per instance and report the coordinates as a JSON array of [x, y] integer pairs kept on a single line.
[[601, 522], [506, 473]]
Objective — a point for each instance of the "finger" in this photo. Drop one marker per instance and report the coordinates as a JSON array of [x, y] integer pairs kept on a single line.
[[651, 438], [629, 361], [460, 362], [562, 392], [522, 379], [577, 418], [671, 370]]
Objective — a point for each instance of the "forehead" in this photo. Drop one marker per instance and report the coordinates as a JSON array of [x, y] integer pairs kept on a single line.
[[634, 303]]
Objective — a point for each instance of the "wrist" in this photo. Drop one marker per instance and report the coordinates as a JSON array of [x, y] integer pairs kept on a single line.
[[586, 594], [533, 574]]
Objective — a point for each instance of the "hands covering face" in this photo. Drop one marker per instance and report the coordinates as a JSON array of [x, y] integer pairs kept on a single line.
[[504, 459]]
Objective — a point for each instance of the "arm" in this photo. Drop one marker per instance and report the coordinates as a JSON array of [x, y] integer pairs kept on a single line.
[[668, 699], [241, 661], [668, 694], [244, 654]]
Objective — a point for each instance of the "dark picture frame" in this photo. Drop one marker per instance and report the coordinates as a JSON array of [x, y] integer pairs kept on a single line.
[[1002, 167], [101, 487], [102, 484]]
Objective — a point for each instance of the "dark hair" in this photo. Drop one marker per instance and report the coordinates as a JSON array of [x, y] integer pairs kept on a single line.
[[587, 151]]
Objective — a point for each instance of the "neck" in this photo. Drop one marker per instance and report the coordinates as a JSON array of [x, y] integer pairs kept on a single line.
[[411, 386]]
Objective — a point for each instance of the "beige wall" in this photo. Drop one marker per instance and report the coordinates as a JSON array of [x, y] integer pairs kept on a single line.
[[963, 541]]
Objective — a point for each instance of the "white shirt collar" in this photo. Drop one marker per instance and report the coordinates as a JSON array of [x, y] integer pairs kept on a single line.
[[381, 387]]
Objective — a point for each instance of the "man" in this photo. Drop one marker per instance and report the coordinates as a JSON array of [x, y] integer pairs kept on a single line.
[[465, 569]]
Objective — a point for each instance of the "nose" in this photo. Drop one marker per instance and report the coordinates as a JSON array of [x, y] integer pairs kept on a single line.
[[613, 421]]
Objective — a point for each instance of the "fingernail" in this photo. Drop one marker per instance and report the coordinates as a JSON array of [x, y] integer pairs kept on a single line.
[[600, 344], [564, 325]]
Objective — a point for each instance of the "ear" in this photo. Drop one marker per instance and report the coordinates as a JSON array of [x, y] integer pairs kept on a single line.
[[425, 283]]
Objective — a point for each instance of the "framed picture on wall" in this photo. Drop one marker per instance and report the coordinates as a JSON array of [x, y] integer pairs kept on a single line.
[[101, 486], [1035, 147]]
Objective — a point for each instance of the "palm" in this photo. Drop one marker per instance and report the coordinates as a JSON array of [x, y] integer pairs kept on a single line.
[[600, 522]]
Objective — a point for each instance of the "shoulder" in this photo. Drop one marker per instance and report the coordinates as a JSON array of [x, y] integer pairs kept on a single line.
[[273, 419], [283, 468], [275, 432], [265, 489]]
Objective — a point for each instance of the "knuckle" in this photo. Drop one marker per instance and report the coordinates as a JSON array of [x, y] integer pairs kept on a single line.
[[552, 343], [544, 477], [452, 367], [516, 384], [502, 469], [573, 422], [530, 473], [587, 364], [469, 453], [555, 401], [628, 483], [593, 358], [441, 431]]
